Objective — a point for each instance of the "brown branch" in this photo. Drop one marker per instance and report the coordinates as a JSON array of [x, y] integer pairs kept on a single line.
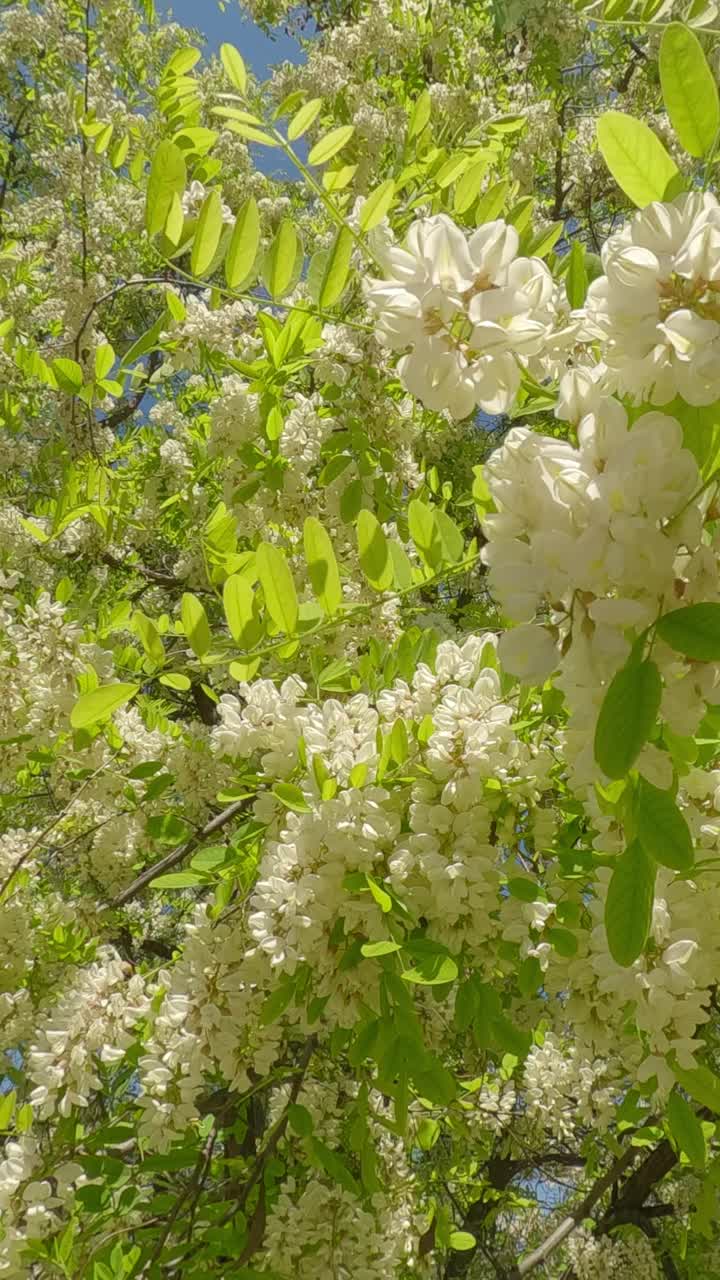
[[13, 138], [178, 855]]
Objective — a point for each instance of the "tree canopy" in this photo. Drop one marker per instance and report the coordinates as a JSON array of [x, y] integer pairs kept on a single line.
[[360, 643]]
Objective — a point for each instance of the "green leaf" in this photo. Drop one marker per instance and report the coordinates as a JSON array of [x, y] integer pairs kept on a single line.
[[207, 234], [489, 205], [100, 704], [291, 796], [69, 375], [330, 144], [375, 559], [337, 268], [149, 636], [461, 1240], [244, 244], [576, 281], [194, 620], [238, 603], [303, 118], [322, 566], [104, 360], [168, 176], [432, 971], [178, 880], [627, 716], [387, 948], [278, 586], [689, 89], [176, 680], [702, 1084], [661, 828], [280, 260], [637, 159], [420, 114], [382, 898], [452, 544], [694, 631], [424, 532], [629, 903], [234, 67], [377, 205], [334, 1165], [300, 1119], [467, 189], [686, 1129]]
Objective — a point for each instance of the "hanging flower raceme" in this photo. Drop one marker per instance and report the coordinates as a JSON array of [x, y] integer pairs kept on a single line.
[[463, 310], [657, 308]]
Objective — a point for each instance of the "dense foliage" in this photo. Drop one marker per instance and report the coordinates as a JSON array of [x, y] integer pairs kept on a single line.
[[360, 643]]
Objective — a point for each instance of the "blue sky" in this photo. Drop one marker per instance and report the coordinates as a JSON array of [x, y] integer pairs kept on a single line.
[[259, 50]]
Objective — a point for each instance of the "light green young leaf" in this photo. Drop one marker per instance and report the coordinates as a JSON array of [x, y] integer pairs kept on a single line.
[[629, 903], [303, 118], [238, 603], [378, 203], [197, 627], [689, 90], [322, 565], [278, 587], [424, 532], [637, 159], [337, 268], [330, 144], [278, 269], [168, 176], [576, 281], [244, 244], [420, 115], [234, 65], [98, 705], [375, 559], [207, 234]]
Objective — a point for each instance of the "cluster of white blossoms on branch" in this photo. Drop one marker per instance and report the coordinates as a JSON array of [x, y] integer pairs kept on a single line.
[[467, 307], [656, 310]]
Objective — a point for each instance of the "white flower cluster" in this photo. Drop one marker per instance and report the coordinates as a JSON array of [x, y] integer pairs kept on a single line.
[[610, 1258], [466, 308], [562, 1089], [657, 308], [90, 1025]]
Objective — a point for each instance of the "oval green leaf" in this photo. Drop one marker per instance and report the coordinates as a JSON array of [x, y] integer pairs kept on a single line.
[[686, 1129], [234, 65], [694, 631], [322, 565], [629, 903], [277, 583], [637, 159], [100, 703], [375, 559], [661, 827], [377, 205], [279, 263], [194, 620], [243, 247], [303, 118], [330, 144], [207, 235], [337, 268], [168, 175], [689, 90], [627, 716]]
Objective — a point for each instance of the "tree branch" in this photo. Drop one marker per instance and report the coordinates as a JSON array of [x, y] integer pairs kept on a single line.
[[179, 855]]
